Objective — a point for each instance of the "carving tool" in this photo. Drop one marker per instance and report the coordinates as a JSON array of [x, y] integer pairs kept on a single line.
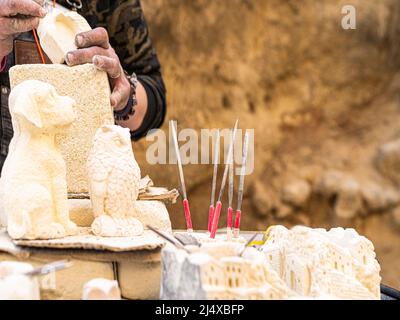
[[49, 268], [218, 206], [214, 181], [247, 244], [230, 199], [241, 186], [166, 237], [182, 180]]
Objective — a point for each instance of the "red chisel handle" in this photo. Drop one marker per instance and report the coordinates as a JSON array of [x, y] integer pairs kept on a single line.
[[230, 218], [187, 215], [217, 213], [210, 217], [237, 223]]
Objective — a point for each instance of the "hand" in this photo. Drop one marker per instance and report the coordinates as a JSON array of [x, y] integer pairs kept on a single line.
[[94, 47], [17, 16]]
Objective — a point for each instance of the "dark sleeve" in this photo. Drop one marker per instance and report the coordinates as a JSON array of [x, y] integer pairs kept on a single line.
[[129, 36]]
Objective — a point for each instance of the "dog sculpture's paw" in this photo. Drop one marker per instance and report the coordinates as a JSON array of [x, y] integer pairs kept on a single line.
[[54, 231], [71, 228]]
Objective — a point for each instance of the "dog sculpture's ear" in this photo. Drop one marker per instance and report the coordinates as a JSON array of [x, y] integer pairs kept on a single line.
[[26, 106]]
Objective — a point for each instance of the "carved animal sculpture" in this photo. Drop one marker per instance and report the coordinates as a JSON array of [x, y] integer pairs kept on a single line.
[[34, 188], [114, 177]]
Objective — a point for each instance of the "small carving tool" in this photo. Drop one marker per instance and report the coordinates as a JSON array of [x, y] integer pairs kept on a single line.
[[49, 268], [214, 181], [241, 186], [218, 206], [182, 180], [168, 238], [230, 199], [247, 244]]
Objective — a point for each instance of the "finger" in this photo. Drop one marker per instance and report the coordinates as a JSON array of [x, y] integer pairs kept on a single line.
[[96, 37], [109, 65], [83, 56], [120, 94], [25, 7], [6, 46], [14, 25]]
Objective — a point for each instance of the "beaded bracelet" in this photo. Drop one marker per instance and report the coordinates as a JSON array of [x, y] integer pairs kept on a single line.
[[129, 110]]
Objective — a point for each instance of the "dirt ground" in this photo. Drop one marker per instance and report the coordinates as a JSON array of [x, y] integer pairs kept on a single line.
[[324, 103]]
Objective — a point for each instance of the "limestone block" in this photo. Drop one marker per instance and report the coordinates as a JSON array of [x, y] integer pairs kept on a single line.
[[80, 212], [57, 33], [101, 289], [33, 182], [139, 279], [114, 178], [66, 284], [90, 89], [153, 213], [14, 285], [216, 271]]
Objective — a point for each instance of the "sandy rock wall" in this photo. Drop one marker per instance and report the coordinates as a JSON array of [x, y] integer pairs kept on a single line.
[[324, 103]]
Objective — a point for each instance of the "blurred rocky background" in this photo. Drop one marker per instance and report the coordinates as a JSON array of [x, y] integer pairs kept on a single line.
[[324, 103]]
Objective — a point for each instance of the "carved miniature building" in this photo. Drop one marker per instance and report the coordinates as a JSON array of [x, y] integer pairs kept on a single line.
[[215, 272], [314, 262]]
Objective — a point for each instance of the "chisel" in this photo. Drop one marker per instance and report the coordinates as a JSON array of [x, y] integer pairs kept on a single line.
[[214, 181], [241, 186], [185, 202], [218, 206]]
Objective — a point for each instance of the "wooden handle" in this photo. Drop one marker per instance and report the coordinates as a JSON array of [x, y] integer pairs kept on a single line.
[[210, 217], [238, 218], [187, 215], [230, 218], [217, 213]]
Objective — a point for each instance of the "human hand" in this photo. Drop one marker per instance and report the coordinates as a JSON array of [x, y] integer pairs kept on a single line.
[[94, 47], [17, 16]]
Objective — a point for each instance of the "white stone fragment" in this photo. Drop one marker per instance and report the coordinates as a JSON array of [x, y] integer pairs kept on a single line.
[[101, 289], [14, 285], [33, 181], [57, 32]]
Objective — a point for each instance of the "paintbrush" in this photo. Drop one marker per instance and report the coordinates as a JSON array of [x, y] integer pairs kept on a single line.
[[214, 181], [168, 238], [49, 268], [218, 206], [241, 186], [185, 202]]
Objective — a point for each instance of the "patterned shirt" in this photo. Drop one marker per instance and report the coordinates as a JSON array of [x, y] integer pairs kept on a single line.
[[129, 36]]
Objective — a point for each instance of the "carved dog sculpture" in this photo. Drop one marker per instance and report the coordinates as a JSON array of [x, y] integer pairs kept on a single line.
[[34, 188]]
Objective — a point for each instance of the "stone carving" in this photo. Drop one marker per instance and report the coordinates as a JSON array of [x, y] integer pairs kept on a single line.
[[101, 289], [314, 262], [90, 89], [114, 177], [57, 33], [34, 188], [14, 285], [215, 271]]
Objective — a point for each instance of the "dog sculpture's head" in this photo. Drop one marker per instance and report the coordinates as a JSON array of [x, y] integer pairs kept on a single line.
[[36, 105]]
